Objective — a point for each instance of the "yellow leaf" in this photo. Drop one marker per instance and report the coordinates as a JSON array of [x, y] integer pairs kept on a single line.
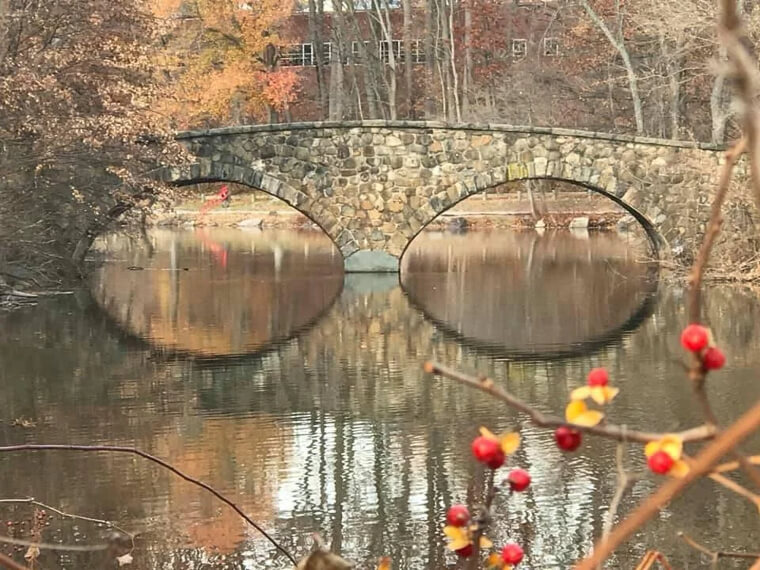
[[589, 419], [456, 533], [577, 413], [575, 409], [680, 469], [458, 544], [385, 563], [672, 445], [510, 442], [487, 433], [485, 542], [459, 537], [580, 393], [603, 394], [651, 448]]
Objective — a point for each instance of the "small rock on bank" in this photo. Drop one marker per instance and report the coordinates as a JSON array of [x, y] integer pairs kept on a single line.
[[579, 223], [250, 223]]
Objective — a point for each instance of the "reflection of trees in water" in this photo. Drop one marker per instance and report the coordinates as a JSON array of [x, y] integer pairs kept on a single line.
[[241, 291], [522, 291]]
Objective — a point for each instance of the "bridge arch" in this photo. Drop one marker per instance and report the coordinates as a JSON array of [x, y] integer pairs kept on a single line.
[[462, 191], [205, 171], [373, 185]]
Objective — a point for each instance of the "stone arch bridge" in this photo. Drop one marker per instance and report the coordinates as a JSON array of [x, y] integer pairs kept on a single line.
[[373, 185]]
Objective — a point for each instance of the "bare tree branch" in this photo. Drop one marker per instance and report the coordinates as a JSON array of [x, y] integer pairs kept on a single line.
[[162, 463], [610, 431]]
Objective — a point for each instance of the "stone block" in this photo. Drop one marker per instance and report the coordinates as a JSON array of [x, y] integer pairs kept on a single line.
[[539, 164], [371, 261]]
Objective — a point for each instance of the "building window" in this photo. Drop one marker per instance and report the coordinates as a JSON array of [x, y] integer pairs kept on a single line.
[[303, 55], [519, 48], [536, 3], [326, 52], [551, 47], [298, 55], [368, 5], [356, 52], [385, 48], [418, 51]]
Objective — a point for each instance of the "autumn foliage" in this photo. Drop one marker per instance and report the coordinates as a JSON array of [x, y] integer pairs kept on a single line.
[[219, 60], [77, 127]]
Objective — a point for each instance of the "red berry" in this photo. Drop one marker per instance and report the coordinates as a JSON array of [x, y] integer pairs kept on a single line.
[[497, 460], [488, 451], [567, 438], [457, 515], [660, 462], [464, 552], [598, 377], [512, 554], [519, 479], [694, 338], [713, 358]]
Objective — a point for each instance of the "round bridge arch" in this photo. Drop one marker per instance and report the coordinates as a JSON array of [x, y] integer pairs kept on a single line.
[[208, 171], [443, 202]]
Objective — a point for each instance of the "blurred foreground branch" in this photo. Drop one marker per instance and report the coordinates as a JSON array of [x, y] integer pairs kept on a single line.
[[702, 465], [716, 555]]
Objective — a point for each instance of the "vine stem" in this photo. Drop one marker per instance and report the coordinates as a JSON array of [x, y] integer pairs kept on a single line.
[[619, 433]]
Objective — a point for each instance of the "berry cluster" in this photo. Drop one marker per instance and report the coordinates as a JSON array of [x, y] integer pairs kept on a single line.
[[459, 516], [663, 456], [697, 339]]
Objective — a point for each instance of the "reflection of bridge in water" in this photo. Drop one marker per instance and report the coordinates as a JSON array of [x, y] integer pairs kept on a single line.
[[527, 295], [221, 293], [512, 295]]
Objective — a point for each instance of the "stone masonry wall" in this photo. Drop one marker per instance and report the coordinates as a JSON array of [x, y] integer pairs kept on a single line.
[[373, 185]]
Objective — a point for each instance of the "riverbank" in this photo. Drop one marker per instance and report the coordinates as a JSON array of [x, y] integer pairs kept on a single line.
[[490, 212]]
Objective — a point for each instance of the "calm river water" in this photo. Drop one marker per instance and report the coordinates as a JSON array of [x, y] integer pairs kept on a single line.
[[247, 360]]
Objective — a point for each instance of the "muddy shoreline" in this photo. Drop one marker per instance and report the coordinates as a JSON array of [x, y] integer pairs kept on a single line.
[[274, 219]]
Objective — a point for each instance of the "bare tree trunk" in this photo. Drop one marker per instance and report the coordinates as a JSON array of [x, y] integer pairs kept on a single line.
[[340, 53], [717, 101], [467, 77], [316, 20], [383, 18], [452, 54], [430, 58], [369, 62], [443, 62], [407, 39], [619, 44], [675, 99]]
